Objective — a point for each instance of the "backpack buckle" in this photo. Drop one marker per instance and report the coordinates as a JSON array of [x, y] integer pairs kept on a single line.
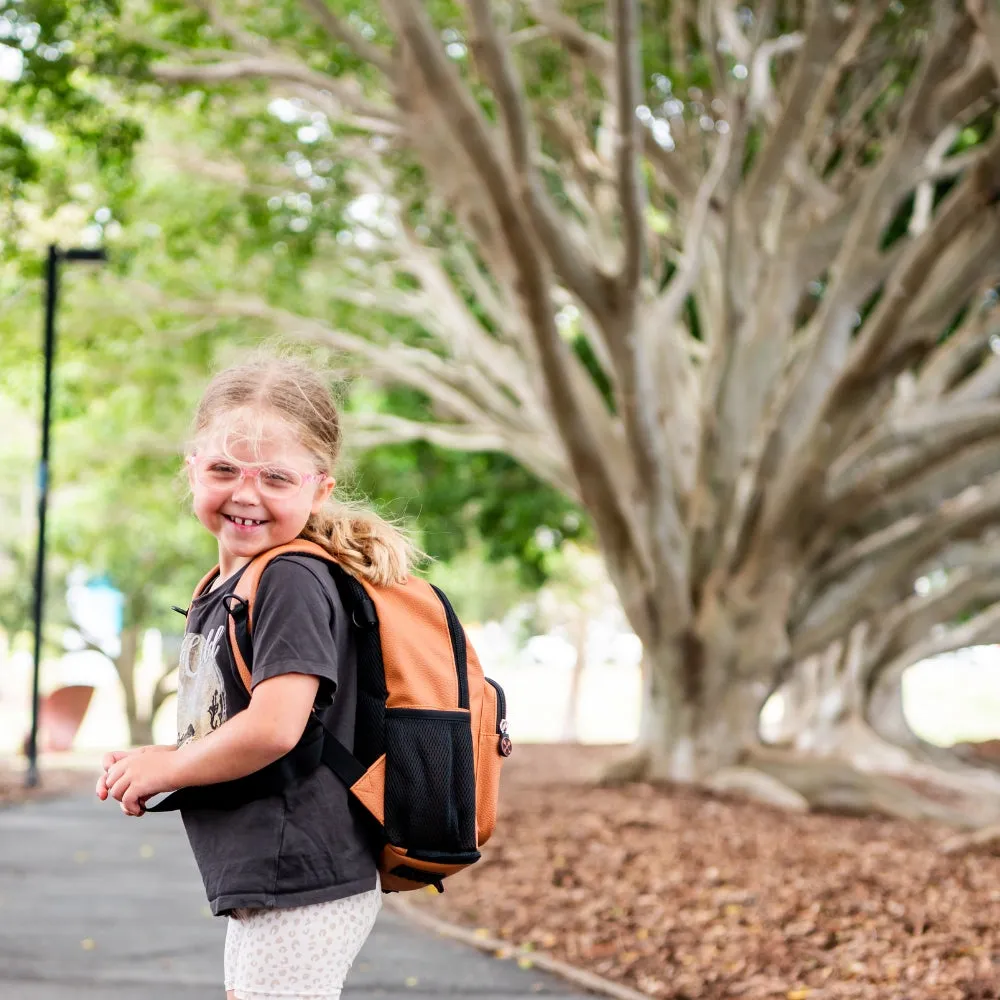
[[369, 619]]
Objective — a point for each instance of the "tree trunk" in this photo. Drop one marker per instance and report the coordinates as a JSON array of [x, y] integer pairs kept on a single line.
[[140, 732], [704, 686], [705, 695], [799, 696], [700, 716], [886, 715], [582, 633], [125, 664]]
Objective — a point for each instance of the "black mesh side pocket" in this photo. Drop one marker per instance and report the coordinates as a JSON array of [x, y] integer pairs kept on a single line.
[[430, 784]]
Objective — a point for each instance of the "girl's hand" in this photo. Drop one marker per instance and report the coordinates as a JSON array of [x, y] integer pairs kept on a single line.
[[112, 758], [134, 777]]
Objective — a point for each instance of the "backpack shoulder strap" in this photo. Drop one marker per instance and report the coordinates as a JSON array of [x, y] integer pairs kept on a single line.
[[245, 594], [204, 582]]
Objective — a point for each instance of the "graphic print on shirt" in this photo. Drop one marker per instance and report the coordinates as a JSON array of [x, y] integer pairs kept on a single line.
[[201, 692]]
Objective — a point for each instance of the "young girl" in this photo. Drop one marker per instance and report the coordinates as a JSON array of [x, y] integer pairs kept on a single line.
[[293, 872]]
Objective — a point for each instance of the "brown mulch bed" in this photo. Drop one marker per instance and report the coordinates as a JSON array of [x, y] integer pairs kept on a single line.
[[55, 781], [689, 896]]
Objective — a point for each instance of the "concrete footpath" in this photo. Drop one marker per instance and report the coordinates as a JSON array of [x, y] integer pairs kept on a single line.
[[95, 906]]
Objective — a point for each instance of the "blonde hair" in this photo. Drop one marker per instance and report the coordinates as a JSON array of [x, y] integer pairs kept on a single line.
[[292, 390]]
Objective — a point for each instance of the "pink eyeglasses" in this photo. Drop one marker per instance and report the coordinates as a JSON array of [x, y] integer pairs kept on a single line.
[[272, 481]]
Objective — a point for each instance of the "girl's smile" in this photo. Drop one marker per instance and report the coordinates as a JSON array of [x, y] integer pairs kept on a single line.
[[245, 525]]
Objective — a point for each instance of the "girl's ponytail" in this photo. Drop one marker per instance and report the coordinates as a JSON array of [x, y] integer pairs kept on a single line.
[[368, 547]]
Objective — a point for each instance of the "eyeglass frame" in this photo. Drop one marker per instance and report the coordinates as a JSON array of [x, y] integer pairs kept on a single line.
[[314, 477]]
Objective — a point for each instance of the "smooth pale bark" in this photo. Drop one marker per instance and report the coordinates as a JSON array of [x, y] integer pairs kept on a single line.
[[140, 720], [581, 634], [702, 703], [125, 664]]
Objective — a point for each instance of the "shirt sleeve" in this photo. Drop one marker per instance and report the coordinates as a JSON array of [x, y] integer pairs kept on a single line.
[[293, 626]]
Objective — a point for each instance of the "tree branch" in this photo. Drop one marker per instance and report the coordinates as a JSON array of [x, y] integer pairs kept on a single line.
[[273, 68], [338, 29], [966, 590], [924, 199], [571, 260], [666, 310], [818, 48], [908, 449], [761, 98], [980, 386], [874, 356], [543, 456], [981, 629], [610, 508], [595, 50], [632, 194], [369, 430], [903, 548], [987, 18], [949, 363], [976, 82], [873, 350], [448, 386], [831, 337], [679, 178]]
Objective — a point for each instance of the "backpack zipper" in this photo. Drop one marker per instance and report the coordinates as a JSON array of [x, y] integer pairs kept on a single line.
[[504, 744], [501, 706], [457, 634]]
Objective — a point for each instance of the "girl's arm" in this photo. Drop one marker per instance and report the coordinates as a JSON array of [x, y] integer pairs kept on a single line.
[[271, 726]]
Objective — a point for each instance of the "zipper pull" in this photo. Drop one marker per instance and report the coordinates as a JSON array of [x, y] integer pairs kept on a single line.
[[506, 745]]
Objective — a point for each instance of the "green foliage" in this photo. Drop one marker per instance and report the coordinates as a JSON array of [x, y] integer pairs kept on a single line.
[[460, 501]]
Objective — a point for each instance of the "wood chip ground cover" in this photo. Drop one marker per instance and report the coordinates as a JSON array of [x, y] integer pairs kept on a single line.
[[687, 896]]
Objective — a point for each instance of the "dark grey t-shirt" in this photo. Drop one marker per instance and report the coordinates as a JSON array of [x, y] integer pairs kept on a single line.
[[304, 846]]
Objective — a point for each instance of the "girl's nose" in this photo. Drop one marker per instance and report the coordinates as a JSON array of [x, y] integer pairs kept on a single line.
[[246, 491]]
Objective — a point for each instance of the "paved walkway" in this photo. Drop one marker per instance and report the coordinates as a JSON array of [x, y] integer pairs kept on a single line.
[[94, 906]]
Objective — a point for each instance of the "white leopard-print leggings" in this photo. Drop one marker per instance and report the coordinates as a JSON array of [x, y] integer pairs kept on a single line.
[[299, 953]]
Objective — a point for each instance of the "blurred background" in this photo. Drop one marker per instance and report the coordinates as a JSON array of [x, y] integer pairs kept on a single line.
[[669, 329]]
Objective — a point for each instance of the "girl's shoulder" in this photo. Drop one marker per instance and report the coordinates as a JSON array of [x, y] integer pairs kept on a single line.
[[298, 576]]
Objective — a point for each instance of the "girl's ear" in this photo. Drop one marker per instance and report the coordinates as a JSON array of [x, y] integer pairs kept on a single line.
[[323, 492]]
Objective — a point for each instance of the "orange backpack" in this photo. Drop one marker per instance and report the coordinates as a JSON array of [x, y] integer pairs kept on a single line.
[[431, 729]]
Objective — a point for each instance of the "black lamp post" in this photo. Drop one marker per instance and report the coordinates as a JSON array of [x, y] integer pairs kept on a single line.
[[56, 256]]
